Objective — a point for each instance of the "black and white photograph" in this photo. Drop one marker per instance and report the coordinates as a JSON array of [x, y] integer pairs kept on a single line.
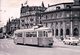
[[39, 27]]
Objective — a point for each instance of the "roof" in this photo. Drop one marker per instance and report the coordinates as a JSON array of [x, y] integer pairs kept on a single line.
[[53, 7], [43, 28], [49, 9], [23, 30], [32, 29]]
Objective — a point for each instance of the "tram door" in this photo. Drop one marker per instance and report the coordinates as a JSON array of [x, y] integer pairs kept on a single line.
[[43, 38]]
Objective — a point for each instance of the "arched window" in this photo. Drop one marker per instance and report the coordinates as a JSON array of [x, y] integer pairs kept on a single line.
[[52, 31], [68, 6], [58, 7], [61, 32], [46, 16], [56, 32], [75, 32], [67, 31]]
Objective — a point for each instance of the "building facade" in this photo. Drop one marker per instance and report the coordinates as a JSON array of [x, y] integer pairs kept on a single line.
[[63, 18], [30, 16], [12, 25]]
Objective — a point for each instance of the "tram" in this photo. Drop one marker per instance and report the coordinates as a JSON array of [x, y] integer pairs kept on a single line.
[[35, 36]]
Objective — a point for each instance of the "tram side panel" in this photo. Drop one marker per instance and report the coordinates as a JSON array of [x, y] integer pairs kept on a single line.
[[31, 40], [38, 37], [34, 41]]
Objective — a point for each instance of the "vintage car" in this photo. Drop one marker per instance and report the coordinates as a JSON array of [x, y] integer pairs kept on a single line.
[[71, 41]]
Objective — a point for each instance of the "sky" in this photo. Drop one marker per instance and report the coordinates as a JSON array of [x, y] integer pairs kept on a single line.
[[11, 8]]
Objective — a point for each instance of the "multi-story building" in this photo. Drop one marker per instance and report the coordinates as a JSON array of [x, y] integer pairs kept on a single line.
[[30, 15], [12, 25], [63, 18]]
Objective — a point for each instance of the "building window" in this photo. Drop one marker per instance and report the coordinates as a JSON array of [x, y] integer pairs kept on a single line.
[[44, 17], [52, 31], [56, 23], [56, 32], [22, 24], [31, 24], [55, 15], [76, 13], [61, 32], [61, 23], [67, 31], [75, 32], [58, 7], [22, 20], [59, 15], [46, 25], [68, 14], [27, 24], [68, 6], [51, 16], [31, 19]]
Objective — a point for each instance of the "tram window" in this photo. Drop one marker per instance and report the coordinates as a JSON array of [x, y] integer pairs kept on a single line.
[[30, 35], [19, 34], [27, 34], [34, 34]]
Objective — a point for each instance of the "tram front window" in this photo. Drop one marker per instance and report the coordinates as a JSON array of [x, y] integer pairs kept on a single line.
[[40, 34], [49, 33], [31, 34], [45, 34], [18, 34]]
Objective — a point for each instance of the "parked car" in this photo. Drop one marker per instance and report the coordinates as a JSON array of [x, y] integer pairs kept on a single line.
[[71, 41]]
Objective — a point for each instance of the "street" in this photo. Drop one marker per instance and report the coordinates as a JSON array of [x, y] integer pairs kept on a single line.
[[53, 23], [7, 47]]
